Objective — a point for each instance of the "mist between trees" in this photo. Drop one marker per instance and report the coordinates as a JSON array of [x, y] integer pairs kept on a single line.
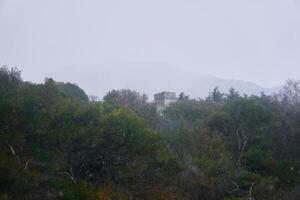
[[56, 143]]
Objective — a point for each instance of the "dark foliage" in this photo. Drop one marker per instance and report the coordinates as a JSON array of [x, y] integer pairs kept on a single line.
[[56, 144]]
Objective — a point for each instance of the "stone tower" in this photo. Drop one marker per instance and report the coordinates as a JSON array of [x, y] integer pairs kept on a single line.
[[163, 100]]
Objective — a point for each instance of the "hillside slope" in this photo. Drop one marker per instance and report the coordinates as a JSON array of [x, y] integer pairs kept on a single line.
[[150, 78]]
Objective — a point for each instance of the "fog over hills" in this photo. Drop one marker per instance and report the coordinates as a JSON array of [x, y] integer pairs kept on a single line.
[[150, 78]]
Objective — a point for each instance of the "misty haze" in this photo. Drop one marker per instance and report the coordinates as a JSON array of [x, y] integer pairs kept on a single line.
[[150, 99]]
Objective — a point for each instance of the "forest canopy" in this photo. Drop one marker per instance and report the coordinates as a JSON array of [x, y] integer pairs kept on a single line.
[[56, 143]]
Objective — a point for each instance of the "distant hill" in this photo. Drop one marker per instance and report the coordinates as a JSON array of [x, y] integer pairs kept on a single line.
[[150, 78]]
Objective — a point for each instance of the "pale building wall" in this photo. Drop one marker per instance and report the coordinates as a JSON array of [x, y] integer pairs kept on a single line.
[[164, 99]]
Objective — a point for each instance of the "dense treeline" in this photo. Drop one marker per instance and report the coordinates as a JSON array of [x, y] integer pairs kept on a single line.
[[55, 143]]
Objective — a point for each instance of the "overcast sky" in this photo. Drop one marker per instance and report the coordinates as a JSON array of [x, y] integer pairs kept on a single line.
[[253, 40]]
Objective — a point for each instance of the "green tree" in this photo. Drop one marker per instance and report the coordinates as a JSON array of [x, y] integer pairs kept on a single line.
[[72, 91], [216, 96], [250, 121]]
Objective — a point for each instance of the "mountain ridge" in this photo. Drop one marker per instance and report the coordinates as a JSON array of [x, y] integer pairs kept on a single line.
[[151, 78]]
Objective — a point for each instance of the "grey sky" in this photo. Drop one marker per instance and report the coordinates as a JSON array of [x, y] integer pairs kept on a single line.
[[254, 40]]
